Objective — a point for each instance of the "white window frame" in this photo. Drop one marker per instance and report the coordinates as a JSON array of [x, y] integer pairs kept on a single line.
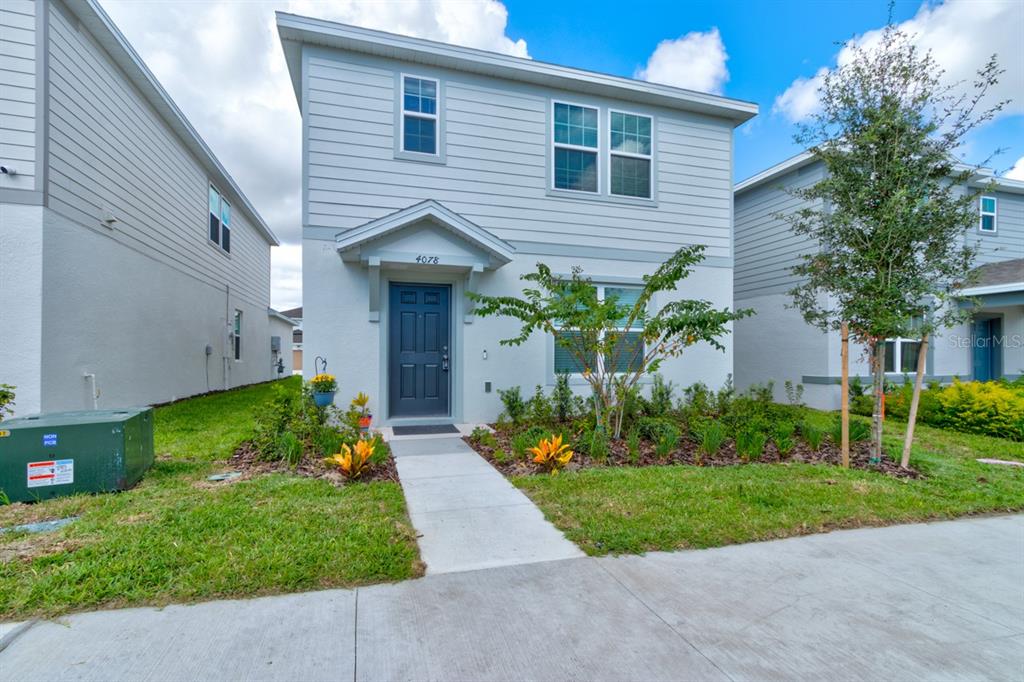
[[648, 157], [600, 297], [435, 117], [236, 332], [596, 151], [897, 354], [982, 213], [221, 202]]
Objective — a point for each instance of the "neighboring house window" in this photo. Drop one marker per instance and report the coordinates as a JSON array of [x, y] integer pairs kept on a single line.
[[901, 354], [419, 115], [237, 328], [220, 220], [629, 352], [575, 147], [630, 155], [987, 222]]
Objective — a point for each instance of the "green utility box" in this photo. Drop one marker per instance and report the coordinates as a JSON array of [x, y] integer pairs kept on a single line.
[[62, 453]]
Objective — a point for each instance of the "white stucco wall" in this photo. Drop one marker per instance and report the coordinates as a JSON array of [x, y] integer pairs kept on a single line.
[[337, 327], [140, 326], [21, 276]]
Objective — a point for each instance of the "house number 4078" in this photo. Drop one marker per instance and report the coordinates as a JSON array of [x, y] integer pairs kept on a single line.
[[428, 260]]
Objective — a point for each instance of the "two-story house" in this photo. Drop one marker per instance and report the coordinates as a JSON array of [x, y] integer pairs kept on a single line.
[[132, 268], [432, 170], [777, 345]]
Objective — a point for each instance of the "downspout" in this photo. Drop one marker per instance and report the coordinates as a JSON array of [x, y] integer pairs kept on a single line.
[[224, 335]]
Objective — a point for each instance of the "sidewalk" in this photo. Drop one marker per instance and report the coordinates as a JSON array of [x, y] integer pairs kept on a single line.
[[936, 601], [467, 514]]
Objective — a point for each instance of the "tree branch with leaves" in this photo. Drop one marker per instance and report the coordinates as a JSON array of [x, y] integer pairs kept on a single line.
[[593, 329]]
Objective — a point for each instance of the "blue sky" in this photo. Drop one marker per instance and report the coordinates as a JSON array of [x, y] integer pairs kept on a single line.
[[769, 44]]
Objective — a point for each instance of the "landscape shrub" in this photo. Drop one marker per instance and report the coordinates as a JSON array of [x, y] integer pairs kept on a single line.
[[633, 445], [662, 397], [355, 461], [750, 442], [482, 436], [710, 438], [989, 408], [524, 440], [562, 398], [813, 435], [653, 428], [859, 431], [289, 448], [551, 454], [539, 409], [667, 441], [515, 406], [783, 436]]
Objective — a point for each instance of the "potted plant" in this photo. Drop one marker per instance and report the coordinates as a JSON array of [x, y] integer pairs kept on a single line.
[[359, 403], [324, 387]]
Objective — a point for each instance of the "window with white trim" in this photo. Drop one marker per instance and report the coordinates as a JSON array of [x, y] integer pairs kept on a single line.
[[901, 354], [629, 155], [987, 218], [575, 148], [220, 220], [629, 351], [419, 115], [237, 334]]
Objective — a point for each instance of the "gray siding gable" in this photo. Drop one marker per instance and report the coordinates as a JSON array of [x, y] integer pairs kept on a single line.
[[496, 169]]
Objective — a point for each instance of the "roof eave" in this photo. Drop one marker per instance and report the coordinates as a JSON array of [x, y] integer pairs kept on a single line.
[[306, 30], [102, 27]]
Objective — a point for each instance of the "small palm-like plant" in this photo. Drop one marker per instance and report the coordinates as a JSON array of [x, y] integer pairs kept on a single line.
[[354, 462], [551, 455]]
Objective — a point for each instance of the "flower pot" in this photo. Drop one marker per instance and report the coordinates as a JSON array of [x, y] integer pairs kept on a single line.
[[364, 421], [323, 398]]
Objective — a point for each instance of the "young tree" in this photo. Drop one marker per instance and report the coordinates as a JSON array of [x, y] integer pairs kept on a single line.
[[614, 344], [890, 215]]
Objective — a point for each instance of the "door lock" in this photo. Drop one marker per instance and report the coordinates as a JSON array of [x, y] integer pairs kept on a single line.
[[444, 358]]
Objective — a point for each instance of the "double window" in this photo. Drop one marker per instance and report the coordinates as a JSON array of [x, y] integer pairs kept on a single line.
[[419, 115], [628, 350], [987, 217], [577, 151], [220, 220], [901, 354]]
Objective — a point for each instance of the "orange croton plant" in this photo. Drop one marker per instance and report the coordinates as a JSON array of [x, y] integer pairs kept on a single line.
[[550, 454], [354, 462]]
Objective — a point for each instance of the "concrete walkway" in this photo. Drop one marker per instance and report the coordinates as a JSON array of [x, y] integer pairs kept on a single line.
[[468, 515], [939, 601]]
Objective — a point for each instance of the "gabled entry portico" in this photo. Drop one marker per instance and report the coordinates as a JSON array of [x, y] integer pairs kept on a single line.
[[420, 262]]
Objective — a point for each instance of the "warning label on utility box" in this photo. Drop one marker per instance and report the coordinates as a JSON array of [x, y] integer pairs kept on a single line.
[[51, 472]]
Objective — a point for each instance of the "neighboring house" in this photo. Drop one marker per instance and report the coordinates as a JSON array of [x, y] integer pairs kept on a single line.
[[434, 170], [777, 345], [282, 328], [132, 268], [296, 315]]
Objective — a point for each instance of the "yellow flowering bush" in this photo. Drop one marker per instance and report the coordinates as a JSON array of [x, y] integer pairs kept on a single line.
[[324, 383], [989, 408], [354, 461], [551, 455]]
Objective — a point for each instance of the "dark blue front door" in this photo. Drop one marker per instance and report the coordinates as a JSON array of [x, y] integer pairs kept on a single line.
[[986, 350], [419, 359]]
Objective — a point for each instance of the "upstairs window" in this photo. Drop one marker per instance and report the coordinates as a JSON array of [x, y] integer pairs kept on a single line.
[[220, 220], [419, 115], [987, 222], [630, 155], [575, 148]]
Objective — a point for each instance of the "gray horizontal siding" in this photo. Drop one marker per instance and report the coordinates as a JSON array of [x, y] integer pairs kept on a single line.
[[18, 92], [109, 151], [1008, 242], [766, 249], [496, 171]]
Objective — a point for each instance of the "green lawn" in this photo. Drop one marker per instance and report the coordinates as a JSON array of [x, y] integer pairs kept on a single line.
[[630, 510], [176, 537]]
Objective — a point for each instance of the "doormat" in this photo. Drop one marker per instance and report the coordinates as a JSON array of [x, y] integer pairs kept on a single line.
[[424, 430]]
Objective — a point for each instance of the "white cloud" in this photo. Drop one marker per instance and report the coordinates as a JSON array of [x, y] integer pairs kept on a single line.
[[961, 34], [222, 64], [1017, 172], [695, 61]]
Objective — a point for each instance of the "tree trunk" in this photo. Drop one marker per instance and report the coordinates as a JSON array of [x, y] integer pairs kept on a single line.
[[922, 355], [878, 383], [844, 401]]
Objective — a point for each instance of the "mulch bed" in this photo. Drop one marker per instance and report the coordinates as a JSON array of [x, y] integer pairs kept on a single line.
[[247, 460], [686, 453]]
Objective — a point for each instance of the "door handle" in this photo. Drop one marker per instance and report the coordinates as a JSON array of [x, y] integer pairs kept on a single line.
[[444, 358]]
